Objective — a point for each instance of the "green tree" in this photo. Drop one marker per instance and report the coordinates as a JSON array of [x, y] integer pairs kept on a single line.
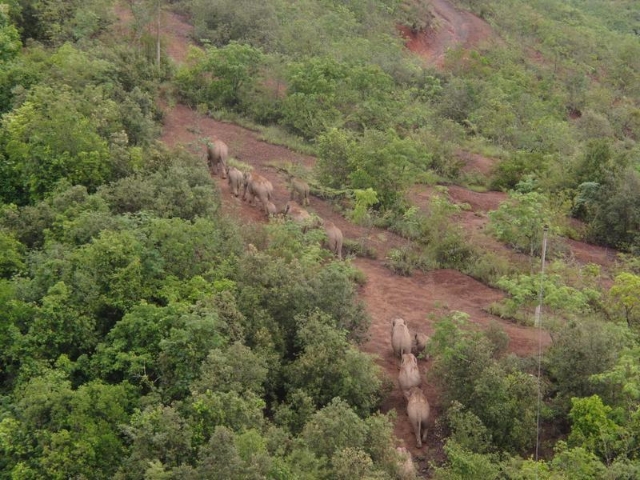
[[11, 255], [616, 217], [60, 432], [227, 74], [226, 21], [467, 368], [328, 366], [519, 221], [335, 148], [626, 291], [49, 138], [580, 350], [593, 429], [9, 37], [387, 163], [157, 433]]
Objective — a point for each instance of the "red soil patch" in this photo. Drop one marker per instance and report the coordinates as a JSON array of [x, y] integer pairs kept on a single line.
[[476, 164], [452, 28], [176, 36]]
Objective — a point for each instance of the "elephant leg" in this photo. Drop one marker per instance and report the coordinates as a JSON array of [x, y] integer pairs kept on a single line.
[[418, 436]]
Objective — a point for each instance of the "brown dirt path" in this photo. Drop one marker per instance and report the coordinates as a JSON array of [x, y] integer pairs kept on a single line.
[[386, 295]]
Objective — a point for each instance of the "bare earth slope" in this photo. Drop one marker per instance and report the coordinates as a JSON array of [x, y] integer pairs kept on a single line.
[[386, 295], [452, 28]]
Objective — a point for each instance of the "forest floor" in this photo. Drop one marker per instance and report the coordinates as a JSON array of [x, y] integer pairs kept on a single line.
[[418, 298]]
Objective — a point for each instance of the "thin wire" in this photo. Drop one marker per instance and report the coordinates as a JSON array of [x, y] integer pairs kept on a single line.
[[538, 323]]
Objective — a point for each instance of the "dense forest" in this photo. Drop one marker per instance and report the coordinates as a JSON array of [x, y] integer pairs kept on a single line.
[[147, 334]]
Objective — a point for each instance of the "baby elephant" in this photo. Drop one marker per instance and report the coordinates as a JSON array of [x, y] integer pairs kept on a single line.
[[409, 375], [400, 338], [418, 412], [420, 341], [236, 179], [272, 211]]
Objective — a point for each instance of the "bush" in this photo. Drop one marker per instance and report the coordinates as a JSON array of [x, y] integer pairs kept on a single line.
[[580, 350], [468, 369]]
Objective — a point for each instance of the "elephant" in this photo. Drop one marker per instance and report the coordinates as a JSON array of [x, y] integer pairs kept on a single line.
[[299, 215], [217, 154], [334, 238], [300, 188], [272, 211], [420, 341], [258, 186], [400, 338], [418, 413], [409, 375], [236, 179], [406, 467]]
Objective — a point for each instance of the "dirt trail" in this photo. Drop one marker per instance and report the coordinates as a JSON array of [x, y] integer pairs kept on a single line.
[[386, 295]]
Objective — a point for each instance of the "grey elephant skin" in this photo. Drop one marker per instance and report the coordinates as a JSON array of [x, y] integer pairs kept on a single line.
[[300, 191], [257, 186], [409, 375], [418, 413], [334, 238], [235, 178], [217, 154], [400, 337]]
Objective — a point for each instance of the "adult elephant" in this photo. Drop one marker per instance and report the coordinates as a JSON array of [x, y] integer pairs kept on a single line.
[[217, 154], [418, 413], [258, 187], [334, 238], [299, 189], [299, 215]]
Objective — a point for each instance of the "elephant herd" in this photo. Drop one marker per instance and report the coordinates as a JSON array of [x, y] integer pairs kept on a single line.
[[255, 186], [404, 345]]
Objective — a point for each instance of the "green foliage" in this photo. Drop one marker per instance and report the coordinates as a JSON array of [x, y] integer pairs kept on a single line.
[[335, 148], [576, 462], [238, 369], [11, 255], [328, 366], [50, 138], [224, 21], [337, 427], [156, 433], [164, 345], [560, 298], [623, 377], [626, 292], [462, 464], [593, 429], [520, 220], [221, 77], [173, 184], [513, 170], [58, 432], [500, 395], [9, 37], [580, 350], [616, 212]]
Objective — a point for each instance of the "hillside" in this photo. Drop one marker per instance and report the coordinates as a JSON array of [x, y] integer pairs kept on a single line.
[[418, 299], [156, 326]]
